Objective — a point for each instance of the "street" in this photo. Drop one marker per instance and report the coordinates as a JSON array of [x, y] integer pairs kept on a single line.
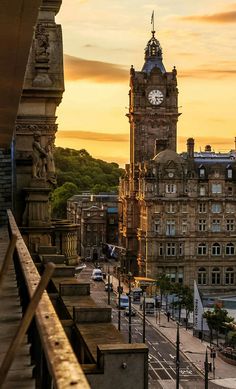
[[162, 353]]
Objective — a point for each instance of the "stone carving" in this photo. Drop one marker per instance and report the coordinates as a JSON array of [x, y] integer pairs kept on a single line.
[[42, 44], [25, 128], [39, 156], [50, 165]]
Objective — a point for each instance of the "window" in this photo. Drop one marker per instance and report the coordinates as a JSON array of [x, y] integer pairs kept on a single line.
[[229, 224], [229, 172], [181, 249], [202, 225], [229, 208], [202, 276], [184, 207], [216, 188], [170, 188], [229, 276], [170, 249], [161, 250], [215, 227], [216, 208], [202, 191], [202, 249], [229, 249], [216, 249], [157, 226], [184, 226], [230, 191], [202, 208], [215, 276], [171, 208], [170, 228], [202, 172]]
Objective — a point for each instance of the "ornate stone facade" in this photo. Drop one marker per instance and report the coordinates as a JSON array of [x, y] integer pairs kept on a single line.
[[177, 211], [42, 92]]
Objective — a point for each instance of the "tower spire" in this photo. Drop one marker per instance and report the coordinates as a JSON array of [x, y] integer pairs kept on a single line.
[[153, 52]]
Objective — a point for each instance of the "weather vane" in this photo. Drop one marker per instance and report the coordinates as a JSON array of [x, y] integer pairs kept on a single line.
[[152, 21]]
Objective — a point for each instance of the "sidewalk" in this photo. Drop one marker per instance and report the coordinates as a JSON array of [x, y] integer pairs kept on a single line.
[[193, 348]]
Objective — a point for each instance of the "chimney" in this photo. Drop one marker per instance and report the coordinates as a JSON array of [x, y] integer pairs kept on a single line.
[[160, 145], [208, 148], [190, 147]]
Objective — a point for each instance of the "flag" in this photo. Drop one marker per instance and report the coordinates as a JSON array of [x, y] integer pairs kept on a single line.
[[152, 17], [199, 323]]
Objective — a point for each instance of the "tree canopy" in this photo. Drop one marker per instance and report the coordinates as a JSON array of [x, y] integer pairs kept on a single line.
[[85, 173]]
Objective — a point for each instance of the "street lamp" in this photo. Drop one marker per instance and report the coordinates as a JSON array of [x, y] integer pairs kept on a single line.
[[177, 362], [109, 288], [130, 307], [206, 366], [119, 290], [144, 316], [213, 356]]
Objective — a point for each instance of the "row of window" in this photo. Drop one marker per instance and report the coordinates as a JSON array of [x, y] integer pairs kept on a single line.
[[216, 249], [203, 174], [216, 225], [216, 188], [173, 249], [216, 276], [203, 207]]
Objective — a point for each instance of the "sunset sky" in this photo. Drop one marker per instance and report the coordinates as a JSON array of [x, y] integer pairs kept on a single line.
[[101, 41]]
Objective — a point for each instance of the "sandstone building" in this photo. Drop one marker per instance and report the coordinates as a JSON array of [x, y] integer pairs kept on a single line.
[[177, 211]]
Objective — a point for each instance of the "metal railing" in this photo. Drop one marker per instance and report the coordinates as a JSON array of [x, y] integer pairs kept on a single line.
[[55, 364]]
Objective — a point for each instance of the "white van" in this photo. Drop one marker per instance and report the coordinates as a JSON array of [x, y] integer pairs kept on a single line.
[[97, 275], [124, 301]]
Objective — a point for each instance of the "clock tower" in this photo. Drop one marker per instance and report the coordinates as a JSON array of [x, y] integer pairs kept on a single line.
[[153, 106]]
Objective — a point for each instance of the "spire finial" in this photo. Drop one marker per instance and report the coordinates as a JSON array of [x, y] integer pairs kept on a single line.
[[152, 22]]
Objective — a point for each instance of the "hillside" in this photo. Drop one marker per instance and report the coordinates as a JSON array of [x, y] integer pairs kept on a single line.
[[77, 172]]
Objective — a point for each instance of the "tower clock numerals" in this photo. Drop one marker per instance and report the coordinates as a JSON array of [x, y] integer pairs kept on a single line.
[[155, 97]]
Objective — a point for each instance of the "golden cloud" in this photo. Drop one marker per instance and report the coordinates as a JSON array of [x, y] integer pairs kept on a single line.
[[94, 136], [221, 17], [207, 73], [77, 69]]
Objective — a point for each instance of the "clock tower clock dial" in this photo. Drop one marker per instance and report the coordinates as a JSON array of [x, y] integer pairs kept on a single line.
[[155, 97]]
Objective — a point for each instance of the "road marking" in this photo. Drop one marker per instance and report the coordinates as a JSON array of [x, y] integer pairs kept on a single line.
[[154, 348], [172, 356]]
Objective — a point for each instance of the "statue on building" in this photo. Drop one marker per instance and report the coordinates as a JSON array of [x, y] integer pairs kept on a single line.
[[39, 158], [42, 44], [50, 165]]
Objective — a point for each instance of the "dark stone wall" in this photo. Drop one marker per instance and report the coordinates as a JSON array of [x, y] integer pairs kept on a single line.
[[5, 184]]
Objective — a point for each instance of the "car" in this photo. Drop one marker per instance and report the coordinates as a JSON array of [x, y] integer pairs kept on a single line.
[[107, 285], [124, 301], [97, 275], [126, 312]]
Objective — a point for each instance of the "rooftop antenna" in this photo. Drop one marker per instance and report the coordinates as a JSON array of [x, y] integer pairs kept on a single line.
[[152, 22]]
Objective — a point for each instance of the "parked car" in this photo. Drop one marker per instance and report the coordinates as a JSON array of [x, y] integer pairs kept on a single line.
[[97, 275], [106, 287], [126, 312]]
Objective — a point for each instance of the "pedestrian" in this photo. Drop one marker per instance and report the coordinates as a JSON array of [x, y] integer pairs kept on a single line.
[[168, 316]]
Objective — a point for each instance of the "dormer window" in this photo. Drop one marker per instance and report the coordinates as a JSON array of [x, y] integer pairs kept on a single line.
[[229, 172], [202, 171]]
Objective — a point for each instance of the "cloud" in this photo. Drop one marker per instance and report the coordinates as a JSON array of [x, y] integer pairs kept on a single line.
[[207, 73], [77, 69], [94, 136], [221, 17]]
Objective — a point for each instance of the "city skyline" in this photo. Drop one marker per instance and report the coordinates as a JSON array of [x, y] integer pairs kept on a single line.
[[101, 43]]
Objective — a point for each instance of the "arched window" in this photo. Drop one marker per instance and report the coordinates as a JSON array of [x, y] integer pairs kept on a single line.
[[215, 276], [229, 172], [202, 276], [229, 276], [229, 249], [216, 249], [202, 171], [202, 249]]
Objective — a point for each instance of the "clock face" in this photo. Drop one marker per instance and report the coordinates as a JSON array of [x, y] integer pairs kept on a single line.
[[155, 97]]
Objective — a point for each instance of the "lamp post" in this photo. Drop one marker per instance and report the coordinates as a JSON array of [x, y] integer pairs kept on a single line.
[[130, 307], [119, 298], [177, 362], [144, 317], [206, 366], [213, 355], [109, 288]]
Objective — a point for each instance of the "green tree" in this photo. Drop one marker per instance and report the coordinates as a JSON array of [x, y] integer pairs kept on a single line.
[[60, 197], [184, 300], [164, 284], [217, 321]]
